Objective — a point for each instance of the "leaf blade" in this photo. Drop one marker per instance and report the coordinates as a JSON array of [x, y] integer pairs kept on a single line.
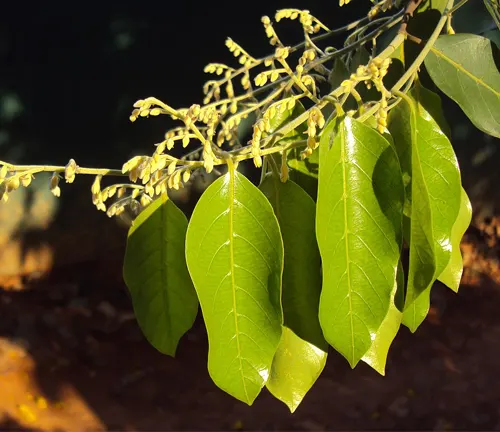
[[370, 201], [234, 254], [452, 274], [163, 296], [428, 159], [302, 352], [462, 65], [296, 367]]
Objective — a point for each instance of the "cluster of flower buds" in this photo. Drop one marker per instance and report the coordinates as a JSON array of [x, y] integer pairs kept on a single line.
[[70, 171], [217, 68], [270, 33], [306, 57], [315, 120], [243, 57], [271, 75], [309, 23], [260, 126], [10, 183]]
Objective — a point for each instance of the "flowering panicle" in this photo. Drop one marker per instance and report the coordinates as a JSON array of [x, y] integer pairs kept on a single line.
[[265, 89]]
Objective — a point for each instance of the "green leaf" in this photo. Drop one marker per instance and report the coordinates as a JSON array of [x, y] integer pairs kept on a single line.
[[376, 356], [296, 212], [452, 274], [432, 104], [308, 183], [308, 166], [157, 277], [358, 227], [427, 158], [234, 254], [296, 367], [462, 66], [302, 351]]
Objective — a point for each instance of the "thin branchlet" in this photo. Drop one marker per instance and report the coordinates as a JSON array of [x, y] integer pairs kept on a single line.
[[262, 88]]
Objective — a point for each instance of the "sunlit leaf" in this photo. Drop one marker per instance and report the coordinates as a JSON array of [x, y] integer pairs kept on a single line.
[[427, 158], [431, 102], [234, 254], [308, 166], [462, 66], [376, 356], [358, 227], [302, 352], [452, 274], [157, 277], [296, 367]]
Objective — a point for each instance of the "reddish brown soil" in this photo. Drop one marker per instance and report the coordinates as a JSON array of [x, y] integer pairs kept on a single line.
[[73, 359]]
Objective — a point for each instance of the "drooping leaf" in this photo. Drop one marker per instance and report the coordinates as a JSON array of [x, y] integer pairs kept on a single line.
[[302, 351], [295, 212], [157, 277], [308, 183], [431, 102], [234, 254], [376, 356], [358, 227], [427, 158], [296, 367], [463, 67], [452, 274]]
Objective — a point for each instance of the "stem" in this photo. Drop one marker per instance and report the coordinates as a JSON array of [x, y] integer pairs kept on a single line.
[[458, 6], [421, 57], [56, 168]]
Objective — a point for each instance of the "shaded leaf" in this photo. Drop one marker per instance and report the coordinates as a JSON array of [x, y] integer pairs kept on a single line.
[[157, 277], [452, 274], [338, 74], [358, 227], [431, 102], [295, 212], [302, 351], [308, 183], [428, 159], [235, 257], [296, 367], [462, 66]]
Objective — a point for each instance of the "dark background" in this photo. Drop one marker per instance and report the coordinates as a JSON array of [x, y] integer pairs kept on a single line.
[[69, 75]]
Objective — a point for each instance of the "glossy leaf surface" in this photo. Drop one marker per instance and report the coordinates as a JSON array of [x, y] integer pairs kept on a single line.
[[235, 257], [358, 227], [376, 356], [302, 351], [463, 67], [296, 367], [452, 274], [295, 212], [157, 277], [428, 159]]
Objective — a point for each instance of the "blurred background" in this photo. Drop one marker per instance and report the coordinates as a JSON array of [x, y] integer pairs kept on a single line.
[[71, 355]]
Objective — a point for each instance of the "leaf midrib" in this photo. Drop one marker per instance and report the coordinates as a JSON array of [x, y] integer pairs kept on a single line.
[[231, 195], [465, 71], [346, 229]]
